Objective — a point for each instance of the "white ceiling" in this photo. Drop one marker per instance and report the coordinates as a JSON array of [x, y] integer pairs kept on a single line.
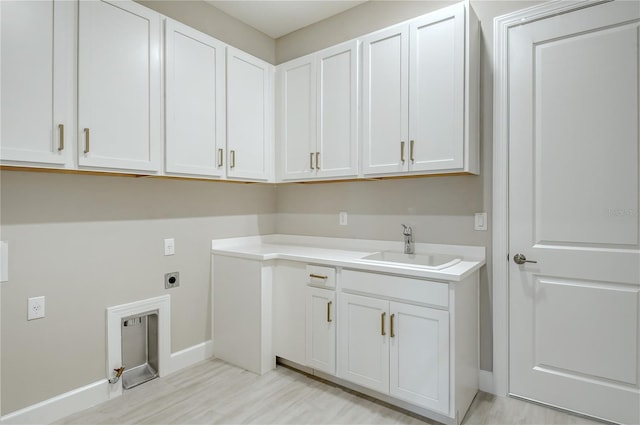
[[278, 18]]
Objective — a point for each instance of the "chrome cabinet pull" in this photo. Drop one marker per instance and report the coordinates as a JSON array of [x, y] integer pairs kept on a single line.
[[329, 312], [317, 276], [382, 316], [233, 159], [317, 159], [391, 325], [311, 160], [86, 141], [61, 134], [402, 152], [220, 157], [411, 143], [521, 259]]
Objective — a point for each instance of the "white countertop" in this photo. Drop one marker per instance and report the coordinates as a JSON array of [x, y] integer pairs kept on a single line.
[[348, 253]]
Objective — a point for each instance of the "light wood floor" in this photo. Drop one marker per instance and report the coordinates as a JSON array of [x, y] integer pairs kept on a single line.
[[214, 392]]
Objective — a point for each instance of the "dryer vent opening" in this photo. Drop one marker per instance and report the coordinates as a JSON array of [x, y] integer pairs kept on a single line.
[[139, 348]]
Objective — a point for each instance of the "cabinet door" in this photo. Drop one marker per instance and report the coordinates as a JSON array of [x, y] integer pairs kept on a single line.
[[364, 345], [297, 118], [321, 329], [419, 364], [385, 100], [37, 50], [337, 145], [194, 102], [119, 88], [436, 90], [249, 116]]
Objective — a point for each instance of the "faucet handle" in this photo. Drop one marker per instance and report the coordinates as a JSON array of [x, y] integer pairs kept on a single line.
[[406, 231]]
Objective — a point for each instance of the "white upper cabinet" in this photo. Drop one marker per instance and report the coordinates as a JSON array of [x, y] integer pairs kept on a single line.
[[420, 95], [337, 128], [37, 89], [119, 86], [194, 102], [297, 118], [385, 102], [249, 117], [318, 114]]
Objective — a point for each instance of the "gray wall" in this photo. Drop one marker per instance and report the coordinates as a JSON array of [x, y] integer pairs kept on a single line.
[[90, 242], [439, 208]]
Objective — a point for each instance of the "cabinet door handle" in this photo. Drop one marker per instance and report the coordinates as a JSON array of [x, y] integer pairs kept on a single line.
[[329, 312], [402, 152], [382, 316], [233, 159], [311, 160], [61, 135], [317, 159], [86, 141], [411, 143], [391, 325], [220, 157], [317, 276]]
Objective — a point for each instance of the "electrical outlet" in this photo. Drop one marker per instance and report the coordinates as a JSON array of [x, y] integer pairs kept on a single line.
[[171, 280], [343, 218], [35, 308]]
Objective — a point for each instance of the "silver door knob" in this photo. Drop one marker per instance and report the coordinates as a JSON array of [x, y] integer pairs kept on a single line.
[[521, 259]]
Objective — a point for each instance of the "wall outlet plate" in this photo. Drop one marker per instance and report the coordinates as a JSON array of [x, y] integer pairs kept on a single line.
[[35, 308], [343, 217], [171, 280], [169, 246]]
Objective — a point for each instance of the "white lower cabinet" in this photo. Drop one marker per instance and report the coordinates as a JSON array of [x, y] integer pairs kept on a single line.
[[321, 329], [419, 355], [397, 349]]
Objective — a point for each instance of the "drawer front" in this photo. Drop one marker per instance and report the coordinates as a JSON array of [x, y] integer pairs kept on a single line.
[[321, 276], [397, 287]]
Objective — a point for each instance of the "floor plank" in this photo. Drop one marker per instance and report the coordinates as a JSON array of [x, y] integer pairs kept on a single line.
[[214, 392]]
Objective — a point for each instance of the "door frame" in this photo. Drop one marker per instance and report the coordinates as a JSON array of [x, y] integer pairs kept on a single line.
[[500, 234]]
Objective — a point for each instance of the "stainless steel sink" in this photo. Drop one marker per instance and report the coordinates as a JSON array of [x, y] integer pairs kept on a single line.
[[427, 261]]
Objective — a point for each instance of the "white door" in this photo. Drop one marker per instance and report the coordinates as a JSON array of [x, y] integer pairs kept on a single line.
[[337, 141], [119, 111], [436, 90], [321, 329], [364, 344], [419, 362], [194, 101], [38, 45], [297, 118], [385, 102], [573, 211], [249, 116]]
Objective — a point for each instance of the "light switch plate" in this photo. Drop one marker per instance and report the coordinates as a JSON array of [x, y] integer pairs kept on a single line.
[[169, 246], [480, 221]]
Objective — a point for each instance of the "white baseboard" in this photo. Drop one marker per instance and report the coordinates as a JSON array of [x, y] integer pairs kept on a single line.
[[190, 356], [60, 406], [90, 395], [486, 382]]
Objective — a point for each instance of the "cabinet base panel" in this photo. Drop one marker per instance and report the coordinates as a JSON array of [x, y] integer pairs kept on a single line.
[[373, 395]]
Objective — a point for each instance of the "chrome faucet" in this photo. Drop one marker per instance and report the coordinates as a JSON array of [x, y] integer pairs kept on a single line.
[[408, 239]]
